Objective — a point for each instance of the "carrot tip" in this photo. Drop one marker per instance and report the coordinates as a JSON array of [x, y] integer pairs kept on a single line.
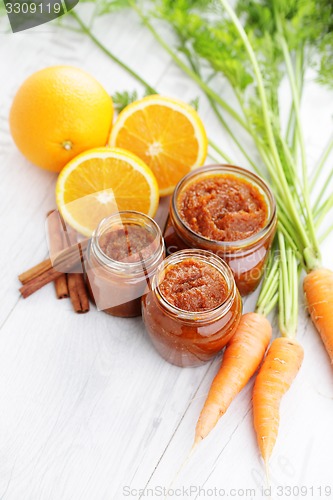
[[183, 465], [192, 450], [268, 481], [197, 440]]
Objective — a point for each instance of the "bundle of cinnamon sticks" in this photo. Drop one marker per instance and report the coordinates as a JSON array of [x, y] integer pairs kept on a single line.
[[66, 269]]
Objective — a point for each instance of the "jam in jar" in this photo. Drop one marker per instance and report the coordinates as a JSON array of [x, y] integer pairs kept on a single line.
[[193, 307], [229, 211], [123, 255]]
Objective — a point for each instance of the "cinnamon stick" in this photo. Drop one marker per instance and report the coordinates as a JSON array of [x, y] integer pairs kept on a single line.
[[55, 233], [67, 260], [34, 272], [78, 293], [56, 244], [61, 286], [39, 281], [77, 288]]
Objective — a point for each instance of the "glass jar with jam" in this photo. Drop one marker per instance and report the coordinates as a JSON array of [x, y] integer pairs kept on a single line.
[[123, 255], [229, 211], [193, 307]]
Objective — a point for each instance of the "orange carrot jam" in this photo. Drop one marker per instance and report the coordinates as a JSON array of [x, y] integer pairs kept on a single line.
[[193, 307], [122, 257], [223, 208], [128, 243], [193, 285]]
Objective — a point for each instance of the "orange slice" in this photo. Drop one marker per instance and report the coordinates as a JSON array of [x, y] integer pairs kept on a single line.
[[167, 134], [101, 181]]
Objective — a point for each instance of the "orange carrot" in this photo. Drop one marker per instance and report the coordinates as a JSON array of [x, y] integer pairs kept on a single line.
[[241, 359], [318, 289], [282, 362]]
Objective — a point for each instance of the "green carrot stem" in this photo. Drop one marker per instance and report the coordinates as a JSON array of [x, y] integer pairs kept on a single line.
[[293, 280], [323, 209], [324, 188], [214, 106], [290, 160], [284, 291], [258, 142], [286, 229], [288, 290], [272, 290], [68, 27], [269, 283], [297, 274], [93, 16], [213, 158], [326, 233], [219, 151], [291, 135], [309, 218], [196, 69], [290, 241], [292, 172], [260, 82], [321, 164], [290, 125], [266, 158], [271, 299], [269, 289], [186, 51], [299, 83], [230, 132], [285, 221], [281, 305], [271, 304]]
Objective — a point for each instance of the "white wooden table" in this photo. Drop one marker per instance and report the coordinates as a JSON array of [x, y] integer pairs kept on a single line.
[[89, 411]]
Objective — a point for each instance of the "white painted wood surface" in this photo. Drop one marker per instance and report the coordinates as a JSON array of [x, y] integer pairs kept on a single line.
[[88, 409]]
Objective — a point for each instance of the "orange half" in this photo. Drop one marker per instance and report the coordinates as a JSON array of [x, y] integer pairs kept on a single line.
[[167, 134], [100, 182]]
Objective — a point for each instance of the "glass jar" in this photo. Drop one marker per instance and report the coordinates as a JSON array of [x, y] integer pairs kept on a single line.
[[122, 256], [246, 257], [185, 337]]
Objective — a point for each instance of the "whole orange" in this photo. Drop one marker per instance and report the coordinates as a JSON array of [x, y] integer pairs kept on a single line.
[[59, 112]]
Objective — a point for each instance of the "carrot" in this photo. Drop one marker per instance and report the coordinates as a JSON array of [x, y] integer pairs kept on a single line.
[[318, 289], [283, 359], [241, 359], [281, 365]]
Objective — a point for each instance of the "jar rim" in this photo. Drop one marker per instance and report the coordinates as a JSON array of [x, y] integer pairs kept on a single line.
[[209, 258], [224, 169], [124, 217]]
